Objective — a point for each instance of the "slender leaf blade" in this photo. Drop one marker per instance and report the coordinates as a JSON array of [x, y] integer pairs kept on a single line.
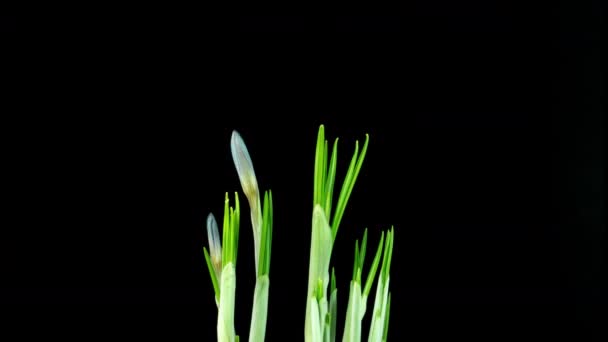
[[343, 197], [318, 187], [374, 267], [331, 177], [216, 287]]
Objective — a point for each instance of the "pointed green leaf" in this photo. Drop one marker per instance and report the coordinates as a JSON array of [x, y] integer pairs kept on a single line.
[[323, 179], [343, 197], [386, 317], [362, 250], [331, 177], [269, 232], [226, 233], [216, 287], [318, 186], [263, 246], [374, 267], [388, 253], [356, 261], [236, 223], [333, 312], [349, 183]]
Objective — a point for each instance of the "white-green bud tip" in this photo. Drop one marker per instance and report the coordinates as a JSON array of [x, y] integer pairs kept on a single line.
[[244, 166], [215, 244]]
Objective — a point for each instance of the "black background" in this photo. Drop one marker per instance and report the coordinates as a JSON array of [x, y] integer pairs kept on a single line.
[[486, 154]]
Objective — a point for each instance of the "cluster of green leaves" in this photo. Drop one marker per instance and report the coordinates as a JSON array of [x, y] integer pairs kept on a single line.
[[382, 304], [221, 262], [360, 260], [228, 247], [266, 236], [257, 331], [261, 224], [325, 176], [321, 310], [321, 307], [357, 302]]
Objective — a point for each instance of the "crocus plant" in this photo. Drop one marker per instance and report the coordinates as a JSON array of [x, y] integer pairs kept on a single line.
[[321, 303]]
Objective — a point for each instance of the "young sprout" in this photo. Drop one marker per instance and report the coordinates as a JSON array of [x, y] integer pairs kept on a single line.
[[215, 245], [261, 222], [378, 330], [221, 264], [325, 223], [249, 183], [214, 262], [321, 304], [357, 301]]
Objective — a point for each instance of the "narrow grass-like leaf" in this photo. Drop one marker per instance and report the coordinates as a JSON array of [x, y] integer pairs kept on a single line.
[[331, 177], [265, 239], [226, 233], [343, 196], [388, 253], [216, 287], [266, 243], [319, 316], [387, 315], [362, 250], [356, 261], [349, 183], [383, 308], [355, 174], [359, 163], [374, 267], [263, 244], [318, 186], [231, 235], [269, 233], [333, 311], [323, 180], [330, 334], [378, 324], [236, 223]]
